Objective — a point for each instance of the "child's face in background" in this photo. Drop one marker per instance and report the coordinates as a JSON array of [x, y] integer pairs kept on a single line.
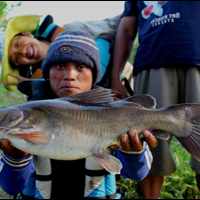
[[26, 50]]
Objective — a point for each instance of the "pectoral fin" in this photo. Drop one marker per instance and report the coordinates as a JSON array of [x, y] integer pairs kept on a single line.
[[36, 137], [110, 163]]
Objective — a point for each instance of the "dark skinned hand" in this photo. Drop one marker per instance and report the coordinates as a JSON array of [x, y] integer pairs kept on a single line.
[[131, 141], [10, 150]]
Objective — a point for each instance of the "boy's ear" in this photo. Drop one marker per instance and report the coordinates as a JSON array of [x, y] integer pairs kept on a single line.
[[27, 34]]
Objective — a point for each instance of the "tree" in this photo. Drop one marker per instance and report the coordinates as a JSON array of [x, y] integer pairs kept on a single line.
[[4, 10], [3, 6]]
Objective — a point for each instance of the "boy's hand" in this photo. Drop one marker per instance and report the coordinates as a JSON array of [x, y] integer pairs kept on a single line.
[[131, 141], [10, 150], [20, 78]]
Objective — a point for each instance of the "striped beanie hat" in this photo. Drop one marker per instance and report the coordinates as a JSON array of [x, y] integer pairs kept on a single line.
[[73, 46]]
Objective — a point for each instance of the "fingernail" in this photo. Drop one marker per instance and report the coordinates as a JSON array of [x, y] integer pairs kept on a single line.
[[146, 133], [124, 139]]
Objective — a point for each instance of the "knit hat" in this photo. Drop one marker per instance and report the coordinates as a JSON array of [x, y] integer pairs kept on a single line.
[[73, 46]]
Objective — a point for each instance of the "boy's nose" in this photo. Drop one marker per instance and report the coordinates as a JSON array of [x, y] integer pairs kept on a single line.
[[21, 51], [70, 74]]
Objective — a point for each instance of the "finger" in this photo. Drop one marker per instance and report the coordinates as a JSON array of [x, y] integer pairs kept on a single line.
[[124, 142], [21, 78], [11, 83], [135, 141], [150, 139], [10, 150], [6, 146], [113, 147]]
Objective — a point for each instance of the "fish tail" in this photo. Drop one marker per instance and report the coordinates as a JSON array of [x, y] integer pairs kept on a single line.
[[189, 134]]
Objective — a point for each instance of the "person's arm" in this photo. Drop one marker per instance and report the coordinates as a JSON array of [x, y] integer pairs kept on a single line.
[[15, 173], [20, 78], [16, 168], [105, 28], [123, 45]]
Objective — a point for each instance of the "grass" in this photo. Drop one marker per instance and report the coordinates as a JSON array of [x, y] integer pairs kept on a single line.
[[10, 98], [179, 185]]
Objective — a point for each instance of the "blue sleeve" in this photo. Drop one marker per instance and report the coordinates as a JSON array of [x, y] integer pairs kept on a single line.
[[135, 166], [130, 9], [15, 174]]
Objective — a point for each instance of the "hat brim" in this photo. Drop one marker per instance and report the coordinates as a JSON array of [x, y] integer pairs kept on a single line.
[[25, 23]]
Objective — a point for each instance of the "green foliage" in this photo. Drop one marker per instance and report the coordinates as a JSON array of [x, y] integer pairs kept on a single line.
[[10, 98], [3, 5], [4, 10]]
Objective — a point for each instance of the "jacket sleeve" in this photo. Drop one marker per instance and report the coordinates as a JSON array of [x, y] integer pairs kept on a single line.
[[14, 173], [136, 165], [105, 28]]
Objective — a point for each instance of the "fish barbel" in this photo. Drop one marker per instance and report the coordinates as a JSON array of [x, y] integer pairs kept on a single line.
[[86, 124]]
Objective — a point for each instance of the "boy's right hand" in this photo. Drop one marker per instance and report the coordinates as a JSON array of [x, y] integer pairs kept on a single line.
[[10, 150], [20, 78]]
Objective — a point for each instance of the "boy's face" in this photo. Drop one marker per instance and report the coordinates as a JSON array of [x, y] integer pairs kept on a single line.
[[25, 50], [70, 78]]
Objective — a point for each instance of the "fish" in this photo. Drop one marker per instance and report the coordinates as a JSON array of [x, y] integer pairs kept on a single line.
[[88, 123]]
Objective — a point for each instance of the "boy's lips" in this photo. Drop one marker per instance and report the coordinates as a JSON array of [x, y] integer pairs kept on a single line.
[[69, 87]]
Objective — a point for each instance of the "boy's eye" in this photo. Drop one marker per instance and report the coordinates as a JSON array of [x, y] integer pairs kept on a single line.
[[17, 43], [81, 66], [60, 66]]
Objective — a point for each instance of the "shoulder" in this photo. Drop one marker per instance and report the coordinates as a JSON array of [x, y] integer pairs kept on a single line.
[[36, 89]]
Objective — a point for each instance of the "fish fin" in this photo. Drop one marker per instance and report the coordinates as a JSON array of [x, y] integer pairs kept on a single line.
[[110, 163], [98, 96], [144, 100], [189, 135], [25, 126], [36, 137], [161, 135]]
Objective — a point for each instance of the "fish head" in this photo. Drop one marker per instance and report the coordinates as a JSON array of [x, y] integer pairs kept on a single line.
[[9, 118]]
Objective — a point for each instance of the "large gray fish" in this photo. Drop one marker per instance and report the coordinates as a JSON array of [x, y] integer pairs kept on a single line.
[[86, 124]]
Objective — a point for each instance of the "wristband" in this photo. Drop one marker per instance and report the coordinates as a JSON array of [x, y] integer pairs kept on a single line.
[[133, 152], [14, 163]]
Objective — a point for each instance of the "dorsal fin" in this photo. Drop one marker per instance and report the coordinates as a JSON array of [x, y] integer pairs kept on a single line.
[[144, 100], [97, 96]]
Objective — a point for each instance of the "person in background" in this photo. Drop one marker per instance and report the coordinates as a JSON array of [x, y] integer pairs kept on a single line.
[[70, 67], [27, 41], [166, 66]]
